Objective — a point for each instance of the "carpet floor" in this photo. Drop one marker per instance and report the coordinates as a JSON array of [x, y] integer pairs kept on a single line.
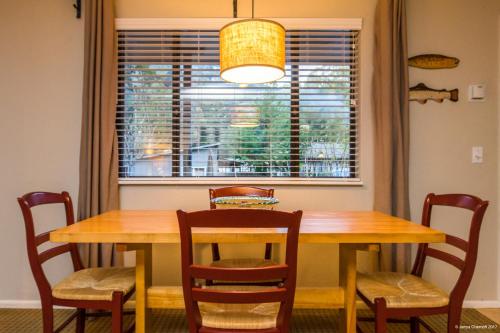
[[174, 321]]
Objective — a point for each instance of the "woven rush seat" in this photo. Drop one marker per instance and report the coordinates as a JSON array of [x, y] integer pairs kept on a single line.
[[401, 290], [243, 263], [256, 202], [239, 316], [95, 284]]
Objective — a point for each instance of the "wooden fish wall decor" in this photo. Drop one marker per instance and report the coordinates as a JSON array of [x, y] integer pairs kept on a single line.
[[433, 61], [421, 93]]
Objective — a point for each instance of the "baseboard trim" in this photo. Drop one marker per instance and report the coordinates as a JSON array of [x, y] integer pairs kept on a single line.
[[482, 304], [24, 304], [35, 304], [14, 304]]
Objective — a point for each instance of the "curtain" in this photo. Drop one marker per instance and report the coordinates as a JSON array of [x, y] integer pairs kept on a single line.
[[390, 113], [98, 191]]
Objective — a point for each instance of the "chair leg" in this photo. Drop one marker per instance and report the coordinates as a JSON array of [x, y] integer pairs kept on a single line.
[[414, 325], [117, 313], [48, 317], [454, 320], [380, 315], [80, 321]]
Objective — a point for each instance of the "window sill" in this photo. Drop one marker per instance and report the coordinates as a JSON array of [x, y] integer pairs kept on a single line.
[[241, 181]]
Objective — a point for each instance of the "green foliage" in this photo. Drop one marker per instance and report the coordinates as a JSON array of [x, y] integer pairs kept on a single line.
[[264, 150]]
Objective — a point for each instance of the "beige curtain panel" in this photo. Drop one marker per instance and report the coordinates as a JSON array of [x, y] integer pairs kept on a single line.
[[390, 113], [99, 146]]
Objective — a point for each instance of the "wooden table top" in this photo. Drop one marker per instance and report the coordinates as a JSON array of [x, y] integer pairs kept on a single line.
[[156, 226]]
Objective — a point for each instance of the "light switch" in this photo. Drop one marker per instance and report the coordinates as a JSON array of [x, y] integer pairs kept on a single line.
[[477, 154], [477, 92]]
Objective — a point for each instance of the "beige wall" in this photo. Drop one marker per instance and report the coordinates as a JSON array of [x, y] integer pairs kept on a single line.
[[442, 135], [40, 89], [498, 159], [263, 8], [40, 103]]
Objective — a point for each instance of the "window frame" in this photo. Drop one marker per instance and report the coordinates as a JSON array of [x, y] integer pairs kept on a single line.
[[216, 23]]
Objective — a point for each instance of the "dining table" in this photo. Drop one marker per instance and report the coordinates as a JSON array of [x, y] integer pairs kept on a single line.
[[353, 231]]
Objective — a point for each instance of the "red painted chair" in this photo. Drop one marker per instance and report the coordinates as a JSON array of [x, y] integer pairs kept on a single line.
[[396, 295], [239, 308], [92, 288], [240, 262]]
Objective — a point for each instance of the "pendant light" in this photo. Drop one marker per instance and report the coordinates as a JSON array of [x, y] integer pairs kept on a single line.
[[252, 51]]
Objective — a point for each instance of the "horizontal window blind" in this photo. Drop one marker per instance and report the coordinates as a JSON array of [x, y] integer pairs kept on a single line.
[[177, 118]]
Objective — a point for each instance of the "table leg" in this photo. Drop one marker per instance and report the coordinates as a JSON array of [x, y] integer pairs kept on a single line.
[[143, 280], [347, 279]]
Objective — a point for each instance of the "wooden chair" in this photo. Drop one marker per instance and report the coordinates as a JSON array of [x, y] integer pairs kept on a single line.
[[396, 295], [91, 288], [240, 262], [237, 308]]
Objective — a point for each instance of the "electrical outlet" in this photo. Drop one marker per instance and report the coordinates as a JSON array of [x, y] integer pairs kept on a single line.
[[477, 154]]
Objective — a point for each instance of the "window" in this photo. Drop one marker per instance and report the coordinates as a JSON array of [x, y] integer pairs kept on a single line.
[[177, 119]]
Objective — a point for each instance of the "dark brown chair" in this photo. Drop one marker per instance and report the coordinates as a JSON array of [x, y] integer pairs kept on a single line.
[[91, 288], [396, 295], [240, 262], [239, 308]]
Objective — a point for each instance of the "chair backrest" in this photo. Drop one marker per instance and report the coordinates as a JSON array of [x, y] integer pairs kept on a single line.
[[470, 246], [33, 241], [234, 191], [239, 218]]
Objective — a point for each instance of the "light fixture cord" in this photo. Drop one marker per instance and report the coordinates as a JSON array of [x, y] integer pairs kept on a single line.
[[253, 8]]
